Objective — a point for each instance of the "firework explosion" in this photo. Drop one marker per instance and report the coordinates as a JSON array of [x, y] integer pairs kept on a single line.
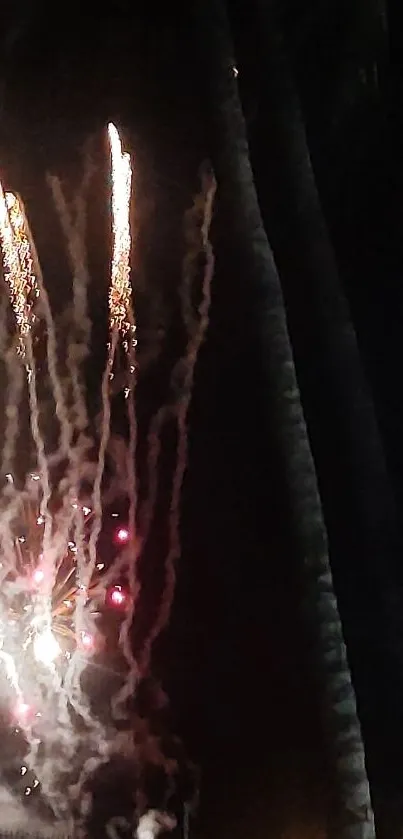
[[52, 582], [55, 581], [18, 263]]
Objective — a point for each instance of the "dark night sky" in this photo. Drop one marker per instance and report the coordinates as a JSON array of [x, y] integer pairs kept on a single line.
[[238, 662]]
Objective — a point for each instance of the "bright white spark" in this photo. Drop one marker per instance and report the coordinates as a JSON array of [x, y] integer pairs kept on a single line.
[[46, 648], [10, 669], [154, 822]]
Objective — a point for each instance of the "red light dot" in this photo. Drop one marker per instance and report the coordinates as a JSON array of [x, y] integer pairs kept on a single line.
[[122, 535], [117, 596]]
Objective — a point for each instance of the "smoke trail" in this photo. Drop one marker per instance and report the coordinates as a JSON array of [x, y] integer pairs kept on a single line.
[[78, 347], [51, 344], [15, 385], [74, 230], [186, 369], [154, 447], [87, 568], [14, 388], [129, 687], [148, 747], [196, 232]]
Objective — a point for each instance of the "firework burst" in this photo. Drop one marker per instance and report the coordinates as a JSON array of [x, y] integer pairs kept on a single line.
[[120, 287], [53, 585], [18, 265], [40, 586]]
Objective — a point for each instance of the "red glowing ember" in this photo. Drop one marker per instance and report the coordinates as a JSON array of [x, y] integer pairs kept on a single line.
[[117, 597], [122, 535]]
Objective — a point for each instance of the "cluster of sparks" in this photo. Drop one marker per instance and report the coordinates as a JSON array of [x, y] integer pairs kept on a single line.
[[18, 263], [120, 287], [39, 624], [32, 639]]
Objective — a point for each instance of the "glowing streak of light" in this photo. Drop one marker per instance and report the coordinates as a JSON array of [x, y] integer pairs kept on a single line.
[[23, 288], [120, 288], [120, 322], [18, 269]]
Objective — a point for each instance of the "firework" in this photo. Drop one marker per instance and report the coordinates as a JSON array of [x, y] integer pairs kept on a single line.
[[120, 288], [30, 581], [39, 589], [53, 586], [121, 322], [18, 265], [43, 648]]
